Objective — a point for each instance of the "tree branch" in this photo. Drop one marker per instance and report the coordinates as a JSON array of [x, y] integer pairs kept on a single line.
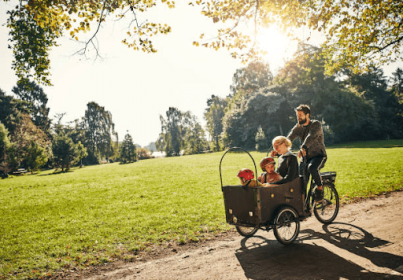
[[380, 49], [91, 40]]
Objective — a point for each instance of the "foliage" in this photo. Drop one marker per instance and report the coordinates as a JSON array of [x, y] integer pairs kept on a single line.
[[36, 25], [99, 128], [180, 132], [31, 42], [81, 152], [37, 100], [4, 146], [242, 118], [351, 107], [261, 140], [28, 143], [265, 109], [128, 150], [11, 110], [172, 132], [195, 142], [249, 79], [37, 157], [397, 84], [65, 152], [338, 101], [214, 114], [61, 222], [143, 153], [372, 86], [358, 32]]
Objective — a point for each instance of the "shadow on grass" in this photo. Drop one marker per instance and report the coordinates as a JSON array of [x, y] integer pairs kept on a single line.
[[369, 144], [57, 173], [261, 258]]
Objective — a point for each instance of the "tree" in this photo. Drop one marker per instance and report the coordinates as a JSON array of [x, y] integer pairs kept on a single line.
[[11, 111], [4, 146], [128, 149], [261, 141], [31, 41], [180, 132], [264, 109], [214, 115], [64, 152], [99, 128], [172, 131], [37, 157], [81, 152], [195, 142], [397, 84], [251, 78], [242, 118], [358, 32], [25, 141], [35, 27], [345, 115], [372, 86], [37, 100]]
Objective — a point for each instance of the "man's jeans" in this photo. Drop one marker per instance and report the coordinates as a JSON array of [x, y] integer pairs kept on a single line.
[[312, 167]]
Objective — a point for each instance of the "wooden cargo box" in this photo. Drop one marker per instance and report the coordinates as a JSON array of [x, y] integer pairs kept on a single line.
[[257, 206]]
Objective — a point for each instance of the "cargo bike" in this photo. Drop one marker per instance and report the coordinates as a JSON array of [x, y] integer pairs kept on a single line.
[[278, 208]]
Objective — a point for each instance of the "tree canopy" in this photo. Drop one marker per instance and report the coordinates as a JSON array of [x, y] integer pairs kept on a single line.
[[358, 32], [99, 129], [35, 27], [36, 101]]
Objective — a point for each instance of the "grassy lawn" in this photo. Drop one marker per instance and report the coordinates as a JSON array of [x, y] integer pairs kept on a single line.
[[98, 214]]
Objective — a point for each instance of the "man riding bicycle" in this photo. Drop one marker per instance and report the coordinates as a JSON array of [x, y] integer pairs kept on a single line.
[[312, 148]]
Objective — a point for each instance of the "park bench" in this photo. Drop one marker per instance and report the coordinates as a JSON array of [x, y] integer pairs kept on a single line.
[[20, 171]]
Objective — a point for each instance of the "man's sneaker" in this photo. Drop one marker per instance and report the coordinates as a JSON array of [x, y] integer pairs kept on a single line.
[[318, 195]]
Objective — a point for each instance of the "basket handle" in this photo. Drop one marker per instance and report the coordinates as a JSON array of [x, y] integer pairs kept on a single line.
[[234, 148]]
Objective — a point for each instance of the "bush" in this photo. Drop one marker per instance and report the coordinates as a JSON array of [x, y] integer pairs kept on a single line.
[[143, 153]]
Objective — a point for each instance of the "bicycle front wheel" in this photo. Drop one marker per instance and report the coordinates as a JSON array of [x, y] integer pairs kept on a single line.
[[246, 231], [286, 225], [327, 210]]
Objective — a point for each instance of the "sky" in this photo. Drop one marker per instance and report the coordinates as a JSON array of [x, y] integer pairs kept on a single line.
[[137, 87]]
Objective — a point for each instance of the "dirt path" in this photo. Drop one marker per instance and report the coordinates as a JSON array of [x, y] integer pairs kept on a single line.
[[365, 242]]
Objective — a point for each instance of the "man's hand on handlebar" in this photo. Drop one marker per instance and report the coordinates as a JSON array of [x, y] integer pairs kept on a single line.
[[302, 153]]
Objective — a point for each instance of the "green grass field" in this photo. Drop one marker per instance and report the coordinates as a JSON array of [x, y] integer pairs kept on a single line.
[[99, 214]]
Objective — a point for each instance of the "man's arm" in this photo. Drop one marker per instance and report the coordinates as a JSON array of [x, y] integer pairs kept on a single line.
[[315, 132], [293, 133]]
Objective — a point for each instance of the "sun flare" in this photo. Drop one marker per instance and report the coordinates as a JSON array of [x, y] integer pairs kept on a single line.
[[276, 44]]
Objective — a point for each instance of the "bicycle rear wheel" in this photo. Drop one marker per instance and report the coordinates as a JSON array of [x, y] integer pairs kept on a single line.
[[286, 227], [327, 210], [246, 231]]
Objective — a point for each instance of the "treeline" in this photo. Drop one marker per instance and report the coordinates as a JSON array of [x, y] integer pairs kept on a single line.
[[29, 139], [260, 106], [351, 107]]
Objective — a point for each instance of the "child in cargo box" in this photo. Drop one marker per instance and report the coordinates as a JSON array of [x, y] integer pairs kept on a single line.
[[246, 176], [269, 175]]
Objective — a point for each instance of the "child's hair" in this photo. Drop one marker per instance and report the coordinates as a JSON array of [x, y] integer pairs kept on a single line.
[[246, 173], [282, 139]]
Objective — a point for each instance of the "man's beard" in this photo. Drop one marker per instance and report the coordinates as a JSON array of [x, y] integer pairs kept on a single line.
[[302, 121]]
